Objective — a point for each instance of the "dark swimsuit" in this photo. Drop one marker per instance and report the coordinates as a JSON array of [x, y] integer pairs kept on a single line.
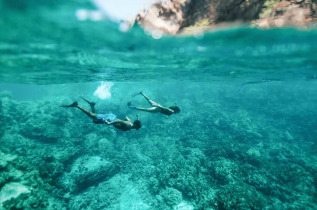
[[166, 112], [122, 127]]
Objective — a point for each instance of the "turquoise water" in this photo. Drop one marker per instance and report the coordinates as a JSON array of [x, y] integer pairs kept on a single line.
[[246, 136]]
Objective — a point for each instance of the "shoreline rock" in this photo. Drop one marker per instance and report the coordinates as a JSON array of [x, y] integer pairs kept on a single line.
[[298, 13], [188, 16]]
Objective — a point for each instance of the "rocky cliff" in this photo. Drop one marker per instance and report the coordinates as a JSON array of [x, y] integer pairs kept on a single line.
[[300, 13], [175, 16]]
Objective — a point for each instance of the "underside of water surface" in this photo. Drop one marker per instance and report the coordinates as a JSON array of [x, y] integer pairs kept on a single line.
[[245, 137]]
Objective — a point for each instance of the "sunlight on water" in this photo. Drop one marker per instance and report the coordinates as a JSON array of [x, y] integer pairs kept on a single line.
[[103, 90]]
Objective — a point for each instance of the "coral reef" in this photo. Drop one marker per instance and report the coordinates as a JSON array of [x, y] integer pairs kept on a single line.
[[229, 154]]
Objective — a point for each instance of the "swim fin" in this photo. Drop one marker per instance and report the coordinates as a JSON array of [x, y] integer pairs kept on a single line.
[[72, 105], [92, 104], [130, 105], [135, 94]]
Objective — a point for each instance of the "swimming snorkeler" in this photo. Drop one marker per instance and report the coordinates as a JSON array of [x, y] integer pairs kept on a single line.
[[155, 106], [109, 119]]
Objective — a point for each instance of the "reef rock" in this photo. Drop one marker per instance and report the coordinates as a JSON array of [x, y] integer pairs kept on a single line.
[[39, 130], [171, 196], [240, 196], [87, 171], [12, 190], [175, 16], [5, 159]]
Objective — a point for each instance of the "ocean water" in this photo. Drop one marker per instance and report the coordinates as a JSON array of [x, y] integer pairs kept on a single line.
[[245, 138]]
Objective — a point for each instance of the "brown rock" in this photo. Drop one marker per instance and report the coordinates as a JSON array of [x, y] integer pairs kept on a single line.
[[166, 16], [175, 16], [299, 13]]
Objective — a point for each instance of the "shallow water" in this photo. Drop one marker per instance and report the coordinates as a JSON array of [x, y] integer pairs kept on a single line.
[[245, 138]]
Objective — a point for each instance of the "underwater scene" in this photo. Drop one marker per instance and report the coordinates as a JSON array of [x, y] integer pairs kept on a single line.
[[218, 120]]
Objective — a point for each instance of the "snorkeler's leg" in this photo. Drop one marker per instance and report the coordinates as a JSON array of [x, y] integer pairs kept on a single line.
[[92, 104], [71, 105], [135, 94], [151, 102], [87, 112], [151, 109]]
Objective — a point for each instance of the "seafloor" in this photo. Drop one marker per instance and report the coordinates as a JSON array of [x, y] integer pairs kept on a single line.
[[233, 146]]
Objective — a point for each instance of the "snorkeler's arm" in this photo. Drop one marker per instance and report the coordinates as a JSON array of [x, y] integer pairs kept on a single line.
[[127, 118], [171, 110]]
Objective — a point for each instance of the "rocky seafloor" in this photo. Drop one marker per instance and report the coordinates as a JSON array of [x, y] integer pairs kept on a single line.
[[231, 147]]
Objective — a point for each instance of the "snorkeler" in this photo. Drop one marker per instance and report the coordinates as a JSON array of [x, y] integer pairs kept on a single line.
[[109, 119], [155, 107]]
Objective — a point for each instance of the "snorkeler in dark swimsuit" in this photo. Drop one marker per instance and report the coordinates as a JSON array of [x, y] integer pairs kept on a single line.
[[155, 107], [109, 119]]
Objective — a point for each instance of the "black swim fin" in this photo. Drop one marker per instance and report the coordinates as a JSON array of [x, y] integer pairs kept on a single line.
[[72, 105], [92, 104], [130, 105], [135, 94]]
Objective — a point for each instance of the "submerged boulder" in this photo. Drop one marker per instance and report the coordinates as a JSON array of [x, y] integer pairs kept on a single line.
[[12, 190], [171, 196], [39, 130], [87, 171], [118, 192], [5, 159]]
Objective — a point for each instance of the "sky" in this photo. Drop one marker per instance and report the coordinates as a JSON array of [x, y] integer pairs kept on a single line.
[[122, 9]]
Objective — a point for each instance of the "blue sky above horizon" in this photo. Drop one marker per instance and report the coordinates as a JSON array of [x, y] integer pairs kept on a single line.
[[122, 9]]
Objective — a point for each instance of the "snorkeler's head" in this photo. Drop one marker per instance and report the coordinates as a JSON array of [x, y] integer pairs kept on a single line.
[[137, 124], [176, 109]]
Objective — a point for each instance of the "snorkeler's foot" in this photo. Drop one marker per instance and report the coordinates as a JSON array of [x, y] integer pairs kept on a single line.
[[72, 105], [130, 105], [92, 104]]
